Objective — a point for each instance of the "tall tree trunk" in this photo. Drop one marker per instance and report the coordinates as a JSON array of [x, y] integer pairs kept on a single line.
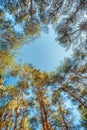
[[3, 119], [9, 124], [62, 115], [73, 95], [42, 111], [31, 12], [46, 124], [7, 127], [11, 118], [23, 116], [22, 97], [78, 74], [22, 127], [16, 120], [78, 8]]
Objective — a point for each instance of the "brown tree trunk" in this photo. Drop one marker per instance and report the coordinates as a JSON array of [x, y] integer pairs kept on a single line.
[[31, 8], [3, 117], [78, 74], [23, 116], [22, 127], [78, 8], [22, 94], [10, 121], [16, 120], [73, 95], [62, 115], [46, 124], [42, 112], [11, 118], [7, 127]]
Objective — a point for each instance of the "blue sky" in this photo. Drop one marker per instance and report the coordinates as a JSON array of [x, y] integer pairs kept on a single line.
[[44, 53]]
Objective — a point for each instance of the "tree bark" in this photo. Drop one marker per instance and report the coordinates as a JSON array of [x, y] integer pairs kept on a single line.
[[62, 115], [16, 120], [12, 118], [31, 8], [73, 95], [46, 124], [78, 74]]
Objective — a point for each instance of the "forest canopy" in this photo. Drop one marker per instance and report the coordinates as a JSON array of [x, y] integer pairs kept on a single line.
[[38, 100]]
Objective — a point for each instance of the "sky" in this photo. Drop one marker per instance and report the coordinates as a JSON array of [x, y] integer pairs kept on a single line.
[[44, 53]]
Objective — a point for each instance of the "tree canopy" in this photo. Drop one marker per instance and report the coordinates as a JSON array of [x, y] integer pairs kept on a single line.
[[38, 101]]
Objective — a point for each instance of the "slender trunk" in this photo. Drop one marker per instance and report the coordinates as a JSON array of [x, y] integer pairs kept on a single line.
[[78, 8], [4, 113], [24, 3], [49, 125], [84, 77], [23, 94], [21, 100], [7, 127], [72, 33], [46, 124], [31, 12], [22, 127], [16, 120], [42, 113], [64, 87], [11, 118], [3, 117], [9, 124], [82, 83], [1, 126], [73, 95], [62, 115]]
